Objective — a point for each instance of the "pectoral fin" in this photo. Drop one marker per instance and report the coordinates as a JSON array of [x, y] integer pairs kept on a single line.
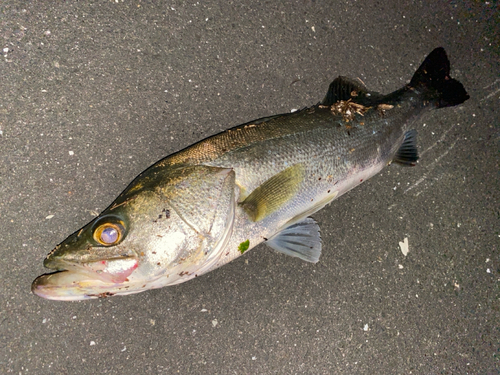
[[301, 240], [274, 193]]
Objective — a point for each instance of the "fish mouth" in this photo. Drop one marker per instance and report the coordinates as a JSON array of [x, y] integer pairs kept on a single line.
[[75, 281]]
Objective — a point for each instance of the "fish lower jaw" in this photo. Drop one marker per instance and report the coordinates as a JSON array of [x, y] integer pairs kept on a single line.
[[73, 286], [81, 283], [66, 286]]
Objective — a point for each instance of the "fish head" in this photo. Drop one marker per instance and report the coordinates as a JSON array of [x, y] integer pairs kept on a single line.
[[158, 232]]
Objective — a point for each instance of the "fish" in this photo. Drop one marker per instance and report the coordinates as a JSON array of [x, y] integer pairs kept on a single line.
[[259, 182]]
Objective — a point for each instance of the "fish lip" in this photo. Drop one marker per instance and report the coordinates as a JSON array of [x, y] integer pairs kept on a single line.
[[40, 282], [59, 262], [55, 264]]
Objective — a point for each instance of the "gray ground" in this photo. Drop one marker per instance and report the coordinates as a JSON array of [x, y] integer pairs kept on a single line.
[[93, 94]]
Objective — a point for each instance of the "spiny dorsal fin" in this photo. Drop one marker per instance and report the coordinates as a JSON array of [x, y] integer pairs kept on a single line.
[[274, 193], [301, 240], [344, 88], [407, 154]]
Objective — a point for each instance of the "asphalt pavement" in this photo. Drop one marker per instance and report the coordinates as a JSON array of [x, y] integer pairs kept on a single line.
[[92, 93]]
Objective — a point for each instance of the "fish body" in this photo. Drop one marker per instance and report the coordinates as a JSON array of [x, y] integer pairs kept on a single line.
[[206, 205]]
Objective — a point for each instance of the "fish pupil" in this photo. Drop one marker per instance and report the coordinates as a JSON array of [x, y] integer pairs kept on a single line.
[[109, 235]]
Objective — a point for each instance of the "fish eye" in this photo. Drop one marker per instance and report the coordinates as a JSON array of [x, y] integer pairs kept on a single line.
[[108, 234]]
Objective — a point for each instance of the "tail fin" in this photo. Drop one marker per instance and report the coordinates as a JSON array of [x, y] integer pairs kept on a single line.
[[433, 78]]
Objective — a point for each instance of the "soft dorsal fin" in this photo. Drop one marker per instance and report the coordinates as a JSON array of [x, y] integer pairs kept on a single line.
[[407, 154], [344, 88], [274, 193], [301, 240]]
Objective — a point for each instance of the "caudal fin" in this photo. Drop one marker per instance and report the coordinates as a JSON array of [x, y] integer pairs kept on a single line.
[[434, 81]]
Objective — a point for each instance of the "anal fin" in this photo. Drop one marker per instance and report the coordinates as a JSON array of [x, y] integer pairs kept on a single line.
[[407, 154], [301, 240]]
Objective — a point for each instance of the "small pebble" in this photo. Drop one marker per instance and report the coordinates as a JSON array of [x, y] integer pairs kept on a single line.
[[404, 246]]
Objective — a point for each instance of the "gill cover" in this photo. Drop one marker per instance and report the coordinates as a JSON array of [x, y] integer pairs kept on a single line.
[[205, 201]]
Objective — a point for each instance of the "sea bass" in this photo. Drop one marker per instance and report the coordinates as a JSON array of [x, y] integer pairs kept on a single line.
[[208, 204]]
